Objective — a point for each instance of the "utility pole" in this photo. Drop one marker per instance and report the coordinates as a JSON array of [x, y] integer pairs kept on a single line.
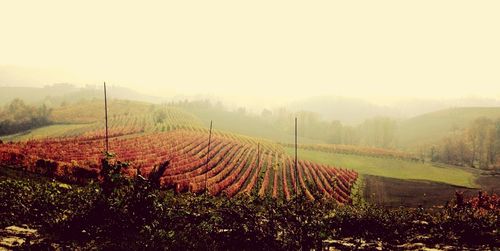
[[106, 117], [208, 154]]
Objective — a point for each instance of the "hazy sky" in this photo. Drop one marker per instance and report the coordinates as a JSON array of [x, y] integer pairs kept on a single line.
[[262, 48]]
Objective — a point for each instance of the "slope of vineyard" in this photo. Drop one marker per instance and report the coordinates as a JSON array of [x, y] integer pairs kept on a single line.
[[134, 116], [86, 118], [93, 110], [234, 165], [126, 118]]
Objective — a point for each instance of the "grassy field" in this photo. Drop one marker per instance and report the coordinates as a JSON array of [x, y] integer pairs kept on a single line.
[[391, 168], [43, 132]]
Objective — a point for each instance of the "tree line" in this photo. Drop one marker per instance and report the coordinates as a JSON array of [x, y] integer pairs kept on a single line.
[[17, 116], [374, 132], [477, 146]]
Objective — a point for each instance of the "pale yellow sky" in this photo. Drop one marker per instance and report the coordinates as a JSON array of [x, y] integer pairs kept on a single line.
[[263, 48]]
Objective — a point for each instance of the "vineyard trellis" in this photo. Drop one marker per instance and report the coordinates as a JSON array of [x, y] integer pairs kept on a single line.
[[232, 169]]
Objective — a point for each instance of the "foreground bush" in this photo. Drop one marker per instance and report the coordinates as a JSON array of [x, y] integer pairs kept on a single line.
[[125, 214]]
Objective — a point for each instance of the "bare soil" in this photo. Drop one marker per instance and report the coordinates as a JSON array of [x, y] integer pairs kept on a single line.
[[392, 192], [490, 183]]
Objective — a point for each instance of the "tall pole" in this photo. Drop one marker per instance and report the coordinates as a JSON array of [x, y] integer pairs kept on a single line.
[[296, 166], [299, 237], [208, 154], [106, 116], [258, 155]]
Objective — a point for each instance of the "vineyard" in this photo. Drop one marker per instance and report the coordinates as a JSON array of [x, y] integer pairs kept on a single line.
[[128, 117], [235, 165], [231, 189]]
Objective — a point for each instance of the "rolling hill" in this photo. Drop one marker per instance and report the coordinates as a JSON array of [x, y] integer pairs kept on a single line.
[[140, 127], [429, 127], [58, 93]]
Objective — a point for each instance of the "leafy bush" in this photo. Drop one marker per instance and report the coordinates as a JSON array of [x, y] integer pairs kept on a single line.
[[132, 214]]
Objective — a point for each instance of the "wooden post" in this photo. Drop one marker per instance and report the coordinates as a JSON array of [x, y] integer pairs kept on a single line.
[[208, 154], [296, 165], [258, 155], [106, 117]]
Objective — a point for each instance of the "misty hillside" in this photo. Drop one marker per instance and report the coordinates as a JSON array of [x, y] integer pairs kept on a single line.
[[316, 123], [355, 110], [58, 93], [347, 110], [433, 126]]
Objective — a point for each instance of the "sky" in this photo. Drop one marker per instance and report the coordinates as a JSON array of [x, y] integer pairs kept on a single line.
[[261, 49]]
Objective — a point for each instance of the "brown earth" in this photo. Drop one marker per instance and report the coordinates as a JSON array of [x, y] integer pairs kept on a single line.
[[392, 192], [490, 183]]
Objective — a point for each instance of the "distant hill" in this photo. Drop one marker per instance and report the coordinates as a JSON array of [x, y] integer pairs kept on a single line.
[[241, 122], [355, 110], [433, 126], [346, 110], [58, 93], [73, 104]]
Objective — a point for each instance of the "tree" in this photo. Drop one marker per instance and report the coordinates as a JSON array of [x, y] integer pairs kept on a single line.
[[378, 132], [160, 115], [473, 142], [335, 132], [490, 144], [477, 146], [17, 116], [497, 141]]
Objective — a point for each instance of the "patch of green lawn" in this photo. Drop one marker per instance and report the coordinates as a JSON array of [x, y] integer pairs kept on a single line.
[[393, 168], [43, 132]]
